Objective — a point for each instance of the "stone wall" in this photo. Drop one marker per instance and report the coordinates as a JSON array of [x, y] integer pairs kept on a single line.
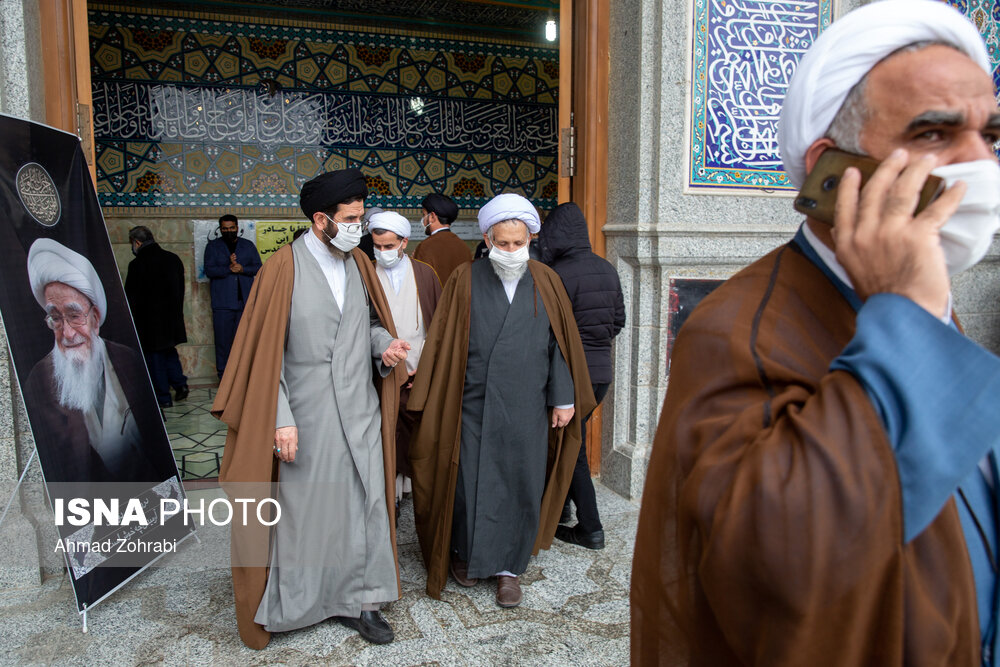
[[20, 64]]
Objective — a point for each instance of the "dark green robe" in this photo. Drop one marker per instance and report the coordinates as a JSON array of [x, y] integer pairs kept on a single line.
[[514, 373]]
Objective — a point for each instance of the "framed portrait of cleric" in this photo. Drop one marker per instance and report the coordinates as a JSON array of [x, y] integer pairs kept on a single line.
[[103, 449], [742, 57]]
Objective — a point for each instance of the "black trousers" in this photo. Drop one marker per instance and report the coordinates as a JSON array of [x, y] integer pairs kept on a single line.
[[581, 489], [224, 323], [165, 371]]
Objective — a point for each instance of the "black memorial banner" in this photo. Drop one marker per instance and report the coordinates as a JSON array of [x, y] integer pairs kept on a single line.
[[104, 452]]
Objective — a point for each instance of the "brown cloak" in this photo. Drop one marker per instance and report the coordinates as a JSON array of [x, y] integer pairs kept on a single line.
[[428, 294], [428, 289], [247, 402], [437, 391], [445, 252], [771, 528]]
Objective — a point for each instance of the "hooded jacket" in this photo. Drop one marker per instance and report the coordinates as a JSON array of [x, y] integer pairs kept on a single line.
[[591, 283]]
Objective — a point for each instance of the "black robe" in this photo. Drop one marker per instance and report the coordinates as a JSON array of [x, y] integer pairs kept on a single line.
[[514, 373]]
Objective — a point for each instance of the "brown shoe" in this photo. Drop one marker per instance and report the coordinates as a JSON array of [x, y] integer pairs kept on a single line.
[[460, 571], [509, 592]]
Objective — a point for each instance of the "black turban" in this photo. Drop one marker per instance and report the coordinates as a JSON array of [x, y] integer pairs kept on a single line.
[[334, 187], [446, 209]]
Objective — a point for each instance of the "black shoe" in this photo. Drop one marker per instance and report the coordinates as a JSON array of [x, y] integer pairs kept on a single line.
[[371, 626], [167, 404], [567, 514], [181, 393], [574, 535]]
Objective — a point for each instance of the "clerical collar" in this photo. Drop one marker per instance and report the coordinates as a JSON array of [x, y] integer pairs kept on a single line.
[[440, 229], [829, 258], [397, 272]]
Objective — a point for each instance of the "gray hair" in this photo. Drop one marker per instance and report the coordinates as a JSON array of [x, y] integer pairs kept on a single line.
[[510, 223], [140, 234], [845, 129]]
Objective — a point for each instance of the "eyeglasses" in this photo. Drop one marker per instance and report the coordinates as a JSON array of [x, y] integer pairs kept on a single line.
[[350, 227], [76, 320], [353, 227]]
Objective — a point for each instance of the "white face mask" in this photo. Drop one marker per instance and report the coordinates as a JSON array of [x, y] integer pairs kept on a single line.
[[967, 235], [510, 260], [344, 240], [387, 258]]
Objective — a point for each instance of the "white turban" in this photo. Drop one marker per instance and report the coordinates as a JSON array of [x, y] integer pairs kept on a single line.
[[509, 206], [51, 262], [390, 221], [842, 55]]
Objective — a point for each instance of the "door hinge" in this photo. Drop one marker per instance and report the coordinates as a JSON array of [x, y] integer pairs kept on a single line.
[[84, 127], [567, 141]]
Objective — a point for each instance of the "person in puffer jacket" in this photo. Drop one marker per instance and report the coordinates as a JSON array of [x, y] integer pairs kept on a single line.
[[596, 294]]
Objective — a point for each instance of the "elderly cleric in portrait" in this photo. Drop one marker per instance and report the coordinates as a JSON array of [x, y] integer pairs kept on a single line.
[[80, 396]]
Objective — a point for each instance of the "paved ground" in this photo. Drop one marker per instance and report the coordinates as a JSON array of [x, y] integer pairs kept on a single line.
[[575, 611]]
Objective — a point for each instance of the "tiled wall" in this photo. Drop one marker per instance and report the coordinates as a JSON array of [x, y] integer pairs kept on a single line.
[[190, 111], [199, 115]]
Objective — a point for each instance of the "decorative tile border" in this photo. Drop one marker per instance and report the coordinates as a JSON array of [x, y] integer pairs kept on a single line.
[[191, 112], [743, 55]]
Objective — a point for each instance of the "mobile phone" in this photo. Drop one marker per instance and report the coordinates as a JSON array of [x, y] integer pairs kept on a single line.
[[818, 195]]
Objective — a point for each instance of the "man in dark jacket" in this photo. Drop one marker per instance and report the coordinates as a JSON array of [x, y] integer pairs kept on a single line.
[[230, 264], [596, 294], [155, 290], [442, 249]]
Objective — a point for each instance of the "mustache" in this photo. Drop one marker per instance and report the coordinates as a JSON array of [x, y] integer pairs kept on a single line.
[[75, 340]]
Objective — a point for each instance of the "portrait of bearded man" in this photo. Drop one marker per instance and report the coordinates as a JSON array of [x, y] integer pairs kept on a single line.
[[83, 398]]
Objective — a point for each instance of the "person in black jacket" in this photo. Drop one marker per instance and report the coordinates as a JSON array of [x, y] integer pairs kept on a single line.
[[596, 294], [155, 290]]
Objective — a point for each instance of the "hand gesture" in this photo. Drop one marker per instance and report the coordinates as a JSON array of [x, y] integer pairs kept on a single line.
[[395, 353], [882, 245]]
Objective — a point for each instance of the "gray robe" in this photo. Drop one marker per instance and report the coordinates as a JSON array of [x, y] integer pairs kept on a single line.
[[331, 550], [514, 371]]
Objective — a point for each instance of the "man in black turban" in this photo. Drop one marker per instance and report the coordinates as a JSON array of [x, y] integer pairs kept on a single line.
[[298, 394], [444, 251]]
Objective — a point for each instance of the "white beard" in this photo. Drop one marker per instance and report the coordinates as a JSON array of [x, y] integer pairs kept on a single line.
[[509, 275], [77, 375]]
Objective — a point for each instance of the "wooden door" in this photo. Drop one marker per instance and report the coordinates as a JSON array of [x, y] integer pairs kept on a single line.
[[583, 133], [66, 62]]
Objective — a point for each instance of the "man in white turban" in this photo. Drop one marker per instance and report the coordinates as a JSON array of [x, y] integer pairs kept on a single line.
[[80, 396], [502, 383], [412, 289], [823, 484]]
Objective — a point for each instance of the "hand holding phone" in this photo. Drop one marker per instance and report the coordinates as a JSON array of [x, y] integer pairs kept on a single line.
[[818, 195], [881, 242]]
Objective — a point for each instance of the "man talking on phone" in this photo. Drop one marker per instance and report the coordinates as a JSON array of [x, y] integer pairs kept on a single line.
[[822, 488]]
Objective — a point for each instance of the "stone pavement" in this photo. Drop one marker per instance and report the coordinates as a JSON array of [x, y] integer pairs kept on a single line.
[[575, 611]]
